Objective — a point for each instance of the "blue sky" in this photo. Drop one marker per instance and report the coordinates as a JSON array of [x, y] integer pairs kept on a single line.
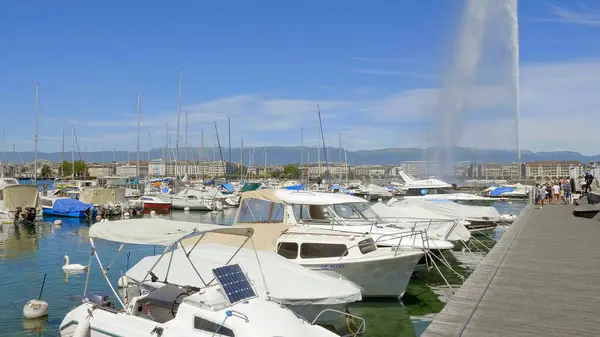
[[372, 66]]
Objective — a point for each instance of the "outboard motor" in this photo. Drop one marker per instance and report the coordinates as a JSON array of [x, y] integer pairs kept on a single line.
[[100, 299], [27, 214]]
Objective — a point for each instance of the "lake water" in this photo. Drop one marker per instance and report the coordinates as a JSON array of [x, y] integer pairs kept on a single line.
[[26, 254]]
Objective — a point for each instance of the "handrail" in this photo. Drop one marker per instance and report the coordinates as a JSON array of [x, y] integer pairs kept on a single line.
[[361, 329]]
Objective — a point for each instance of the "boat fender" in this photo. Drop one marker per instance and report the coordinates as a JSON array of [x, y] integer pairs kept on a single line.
[[83, 328], [57, 222], [35, 309]]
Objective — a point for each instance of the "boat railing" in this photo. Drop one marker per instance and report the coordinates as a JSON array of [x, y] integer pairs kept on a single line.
[[359, 331], [395, 236]]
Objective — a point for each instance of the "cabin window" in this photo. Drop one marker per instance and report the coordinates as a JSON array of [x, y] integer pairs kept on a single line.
[[320, 250], [347, 212], [260, 211], [214, 328], [302, 212], [366, 246], [289, 250], [146, 198], [46, 202]]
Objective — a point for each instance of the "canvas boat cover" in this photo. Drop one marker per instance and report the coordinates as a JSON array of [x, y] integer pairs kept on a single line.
[[98, 196], [68, 205], [408, 214], [21, 196], [160, 232], [287, 281], [455, 210]]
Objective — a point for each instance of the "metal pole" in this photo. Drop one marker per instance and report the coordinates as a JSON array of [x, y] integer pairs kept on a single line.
[[302, 154], [242, 162], [37, 103], [186, 143], [178, 118], [137, 168], [229, 141]]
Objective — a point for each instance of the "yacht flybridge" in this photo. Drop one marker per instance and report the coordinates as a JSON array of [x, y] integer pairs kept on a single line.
[[436, 189], [224, 302]]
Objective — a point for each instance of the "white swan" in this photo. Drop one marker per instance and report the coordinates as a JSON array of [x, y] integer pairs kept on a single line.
[[73, 267]]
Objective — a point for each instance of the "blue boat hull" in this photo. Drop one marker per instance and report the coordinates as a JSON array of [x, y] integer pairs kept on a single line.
[[81, 214]]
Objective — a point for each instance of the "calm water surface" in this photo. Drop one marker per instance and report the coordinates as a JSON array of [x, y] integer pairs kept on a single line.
[[26, 254]]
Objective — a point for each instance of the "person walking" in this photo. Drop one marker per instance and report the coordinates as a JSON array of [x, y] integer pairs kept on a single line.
[[542, 195], [567, 193], [555, 192]]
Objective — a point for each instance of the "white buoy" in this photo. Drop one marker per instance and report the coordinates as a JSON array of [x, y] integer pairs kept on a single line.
[[57, 222], [152, 213], [379, 200], [35, 309], [123, 282], [186, 209], [126, 215]]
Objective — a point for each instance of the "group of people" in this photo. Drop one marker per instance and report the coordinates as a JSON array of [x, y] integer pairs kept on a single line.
[[554, 192]]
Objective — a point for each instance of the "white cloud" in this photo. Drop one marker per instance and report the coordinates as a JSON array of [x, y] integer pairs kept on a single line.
[[559, 110], [565, 15]]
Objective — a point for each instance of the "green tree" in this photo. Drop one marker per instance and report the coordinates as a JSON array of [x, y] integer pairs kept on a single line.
[[46, 172], [81, 170], [291, 171]]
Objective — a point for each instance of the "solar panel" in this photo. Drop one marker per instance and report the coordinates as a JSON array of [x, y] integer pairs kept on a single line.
[[234, 282]]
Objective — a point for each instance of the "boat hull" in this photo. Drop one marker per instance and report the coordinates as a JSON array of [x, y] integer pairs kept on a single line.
[[193, 206], [160, 208], [80, 214], [387, 277]]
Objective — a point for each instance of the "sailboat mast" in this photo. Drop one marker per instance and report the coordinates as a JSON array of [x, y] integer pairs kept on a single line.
[[185, 157], [242, 162], [324, 146], [37, 104], [178, 118], [302, 154], [201, 158], [229, 140], [62, 153], [137, 168], [73, 151], [340, 176], [166, 144], [265, 162]]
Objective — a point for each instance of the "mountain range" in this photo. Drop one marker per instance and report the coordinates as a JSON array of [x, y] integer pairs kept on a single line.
[[278, 155]]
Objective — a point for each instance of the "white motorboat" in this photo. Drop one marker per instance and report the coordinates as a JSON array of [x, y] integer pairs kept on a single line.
[[379, 272], [226, 303], [149, 203], [436, 189], [478, 217], [329, 211], [18, 202]]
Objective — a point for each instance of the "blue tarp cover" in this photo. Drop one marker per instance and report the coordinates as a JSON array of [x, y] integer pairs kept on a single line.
[[228, 187], [69, 205], [295, 188], [501, 190]]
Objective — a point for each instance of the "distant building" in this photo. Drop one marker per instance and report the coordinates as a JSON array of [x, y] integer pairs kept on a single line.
[[495, 171], [100, 171], [421, 169], [554, 169]]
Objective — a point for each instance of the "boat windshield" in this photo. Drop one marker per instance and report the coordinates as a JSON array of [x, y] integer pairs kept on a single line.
[[356, 212], [412, 192]]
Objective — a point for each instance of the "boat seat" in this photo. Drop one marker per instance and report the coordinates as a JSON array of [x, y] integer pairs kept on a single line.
[[161, 302]]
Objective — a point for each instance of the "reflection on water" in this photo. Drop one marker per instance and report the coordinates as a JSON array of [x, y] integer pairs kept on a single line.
[[26, 253]]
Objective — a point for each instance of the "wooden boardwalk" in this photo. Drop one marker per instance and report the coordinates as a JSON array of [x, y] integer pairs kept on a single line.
[[541, 279]]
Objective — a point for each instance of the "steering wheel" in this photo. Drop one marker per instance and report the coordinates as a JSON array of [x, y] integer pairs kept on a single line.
[[176, 303]]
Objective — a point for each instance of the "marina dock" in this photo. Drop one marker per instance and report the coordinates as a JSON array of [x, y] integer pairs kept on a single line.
[[540, 279]]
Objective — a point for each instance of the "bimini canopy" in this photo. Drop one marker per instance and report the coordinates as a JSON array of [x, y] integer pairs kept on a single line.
[[98, 196], [160, 232], [290, 283], [20, 196], [289, 197]]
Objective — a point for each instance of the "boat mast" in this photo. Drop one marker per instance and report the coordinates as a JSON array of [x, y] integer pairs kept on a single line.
[[137, 168], [72, 151], [37, 104], [185, 157], [242, 162], [178, 118], [229, 141], [62, 153], [302, 154], [166, 144], [201, 158], [340, 176], [324, 147], [265, 162]]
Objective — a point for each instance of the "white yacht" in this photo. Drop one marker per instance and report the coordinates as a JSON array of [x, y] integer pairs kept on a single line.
[[436, 189], [379, 272], [226, 303], [331, 211], [18, 202]]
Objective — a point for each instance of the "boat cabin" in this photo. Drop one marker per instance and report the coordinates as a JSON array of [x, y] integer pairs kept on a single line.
[[305, 243]]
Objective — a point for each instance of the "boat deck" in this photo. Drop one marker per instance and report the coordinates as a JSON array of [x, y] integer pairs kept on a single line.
[[541, 279]]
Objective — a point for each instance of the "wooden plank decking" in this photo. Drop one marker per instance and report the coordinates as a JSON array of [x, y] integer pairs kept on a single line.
[[541, 279]]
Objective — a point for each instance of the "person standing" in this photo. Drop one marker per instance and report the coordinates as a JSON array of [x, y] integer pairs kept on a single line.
[[567, 193], [542, 194], [555, 192]]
